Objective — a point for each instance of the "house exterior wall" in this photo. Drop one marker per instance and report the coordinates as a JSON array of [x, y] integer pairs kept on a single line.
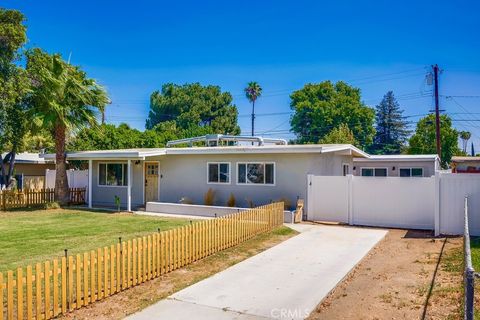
[[104, 195], [428, 166], [186, 176]]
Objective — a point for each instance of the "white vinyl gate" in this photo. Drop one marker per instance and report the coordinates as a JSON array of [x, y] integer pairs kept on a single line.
[[434, 203], [373, 201]]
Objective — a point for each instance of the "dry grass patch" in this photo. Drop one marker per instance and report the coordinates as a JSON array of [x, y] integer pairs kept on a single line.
[[408, 275]]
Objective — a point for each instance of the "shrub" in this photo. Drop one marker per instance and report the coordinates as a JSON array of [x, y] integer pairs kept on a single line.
[[186, 200], [250, 203], [50, 205], [209, 197], [231, 200]]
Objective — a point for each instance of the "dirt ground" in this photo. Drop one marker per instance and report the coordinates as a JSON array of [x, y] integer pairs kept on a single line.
[[127, 302], [408, 275]]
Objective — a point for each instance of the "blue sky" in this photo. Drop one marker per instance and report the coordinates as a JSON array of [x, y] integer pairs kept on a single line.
[[132, 48]]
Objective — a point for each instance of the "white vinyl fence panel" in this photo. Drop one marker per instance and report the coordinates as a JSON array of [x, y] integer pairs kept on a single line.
[[394, 202], [434, 203], [453, 189], [76, 178]]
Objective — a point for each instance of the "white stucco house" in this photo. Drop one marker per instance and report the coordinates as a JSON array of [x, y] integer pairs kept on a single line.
[[402, 165], [253, 169]]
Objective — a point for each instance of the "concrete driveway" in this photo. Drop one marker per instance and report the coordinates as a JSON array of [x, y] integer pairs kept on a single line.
[[283, 282]]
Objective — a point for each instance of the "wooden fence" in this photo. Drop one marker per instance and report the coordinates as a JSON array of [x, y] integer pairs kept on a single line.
[[10, 199], [55, 287]]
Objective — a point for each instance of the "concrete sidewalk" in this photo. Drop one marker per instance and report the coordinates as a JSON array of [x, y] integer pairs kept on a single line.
[[283, 282]]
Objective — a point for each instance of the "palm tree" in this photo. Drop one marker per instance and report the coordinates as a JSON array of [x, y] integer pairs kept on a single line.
[[465, 136], [63, 100], [253, 91]]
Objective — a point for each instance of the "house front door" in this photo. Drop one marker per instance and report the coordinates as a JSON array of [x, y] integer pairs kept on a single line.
[[151, 181]]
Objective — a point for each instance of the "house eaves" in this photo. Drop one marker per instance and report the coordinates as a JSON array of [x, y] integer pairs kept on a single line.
[[142, 154], [398, 158]]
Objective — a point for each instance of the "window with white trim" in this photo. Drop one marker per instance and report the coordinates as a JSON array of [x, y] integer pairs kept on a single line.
[[374, 172], [113, 174], [411, 172], [218, 172], [256, 173]]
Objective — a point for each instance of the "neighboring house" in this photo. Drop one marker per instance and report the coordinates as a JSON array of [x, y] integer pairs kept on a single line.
[[257, 173], [423, 165], [31, 167], [465, 164]]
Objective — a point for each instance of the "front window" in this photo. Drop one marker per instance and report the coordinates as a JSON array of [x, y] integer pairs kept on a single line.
[[374, 172], [411, 172], [256, 173], [219, 173], [112, 174]]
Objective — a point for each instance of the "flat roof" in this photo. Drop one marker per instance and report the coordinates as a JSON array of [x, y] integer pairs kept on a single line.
[[271, 149], [30, 158], [464, 159], [399, 157]]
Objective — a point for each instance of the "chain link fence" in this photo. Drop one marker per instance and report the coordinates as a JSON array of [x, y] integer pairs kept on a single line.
[[469, 272]]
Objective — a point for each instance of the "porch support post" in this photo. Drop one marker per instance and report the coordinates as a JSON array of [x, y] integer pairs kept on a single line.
[[129, 186], [90, 180]]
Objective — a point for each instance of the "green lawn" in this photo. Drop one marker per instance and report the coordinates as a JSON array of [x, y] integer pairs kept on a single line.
[[475, 247], [27, 237]]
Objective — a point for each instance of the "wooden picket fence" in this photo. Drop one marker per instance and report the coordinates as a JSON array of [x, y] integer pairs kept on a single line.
[[12, 199], [56, 287]]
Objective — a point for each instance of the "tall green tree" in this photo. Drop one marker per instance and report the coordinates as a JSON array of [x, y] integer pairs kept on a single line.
[[341, 134], [14, 89], [193, 105], [391, 127], [423, 140], [320, 107], [253, 91], [63, 99], [110, 136], [106, 137]]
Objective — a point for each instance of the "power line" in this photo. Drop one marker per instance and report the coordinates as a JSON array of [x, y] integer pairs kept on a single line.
[[460, 96], [464, 109]]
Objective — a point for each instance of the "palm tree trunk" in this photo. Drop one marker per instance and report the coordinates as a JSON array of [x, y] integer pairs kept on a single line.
[[62, 194], [253, 118]]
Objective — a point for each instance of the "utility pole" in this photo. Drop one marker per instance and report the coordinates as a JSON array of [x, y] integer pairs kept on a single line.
[[437, 113]]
